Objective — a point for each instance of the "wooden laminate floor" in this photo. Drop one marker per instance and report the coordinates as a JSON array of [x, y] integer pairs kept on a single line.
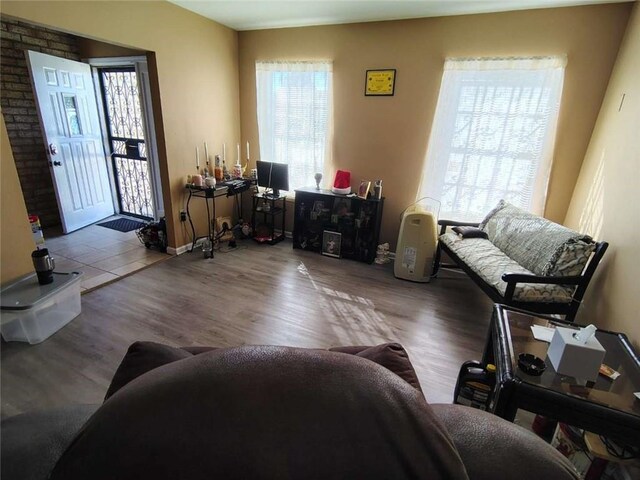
[[257, 294]]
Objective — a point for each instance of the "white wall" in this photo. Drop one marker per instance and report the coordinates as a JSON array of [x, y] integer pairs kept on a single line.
[[606, 200]]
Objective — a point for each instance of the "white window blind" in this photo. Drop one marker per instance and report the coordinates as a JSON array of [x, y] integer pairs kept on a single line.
[[493, 135], [294, 117]]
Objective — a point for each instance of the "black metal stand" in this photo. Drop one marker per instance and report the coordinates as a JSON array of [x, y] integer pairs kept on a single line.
[[269, 217], [206, 193], [232, 188]]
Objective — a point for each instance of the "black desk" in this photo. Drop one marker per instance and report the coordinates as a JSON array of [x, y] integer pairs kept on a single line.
[[603, 407], [227, 189]]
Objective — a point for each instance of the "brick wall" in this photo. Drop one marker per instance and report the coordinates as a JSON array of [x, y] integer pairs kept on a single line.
[[20, 114]]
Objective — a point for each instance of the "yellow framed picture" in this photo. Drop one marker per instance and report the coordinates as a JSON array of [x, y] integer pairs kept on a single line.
[[380, 82]]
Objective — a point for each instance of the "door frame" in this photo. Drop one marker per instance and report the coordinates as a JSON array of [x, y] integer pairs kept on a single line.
[[144, 87]]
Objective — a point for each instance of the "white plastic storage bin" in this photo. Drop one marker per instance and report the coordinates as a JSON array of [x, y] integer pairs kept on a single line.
[[31, 312]]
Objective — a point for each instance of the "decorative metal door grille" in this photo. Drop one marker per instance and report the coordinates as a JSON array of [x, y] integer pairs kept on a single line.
[[126, 138]]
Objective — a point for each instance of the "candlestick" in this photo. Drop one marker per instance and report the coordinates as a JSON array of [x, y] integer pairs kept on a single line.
[[197, 157], [248, 157]]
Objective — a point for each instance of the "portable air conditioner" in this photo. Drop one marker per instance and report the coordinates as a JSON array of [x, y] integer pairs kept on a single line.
[[416, 245]]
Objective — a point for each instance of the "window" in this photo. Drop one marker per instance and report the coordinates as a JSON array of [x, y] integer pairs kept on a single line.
[[493, 135], [294, 117]]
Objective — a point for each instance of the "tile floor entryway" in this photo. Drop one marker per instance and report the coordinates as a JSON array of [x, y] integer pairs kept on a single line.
[[104, 255]]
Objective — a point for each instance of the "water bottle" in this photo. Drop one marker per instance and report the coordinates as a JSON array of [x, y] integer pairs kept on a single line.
[[207, 248], [377, 190]]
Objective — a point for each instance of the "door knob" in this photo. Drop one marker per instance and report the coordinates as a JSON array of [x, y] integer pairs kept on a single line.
[[56, 163], [53, 149]]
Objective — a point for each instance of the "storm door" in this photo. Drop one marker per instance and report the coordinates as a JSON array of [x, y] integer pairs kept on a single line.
[[126, 138]]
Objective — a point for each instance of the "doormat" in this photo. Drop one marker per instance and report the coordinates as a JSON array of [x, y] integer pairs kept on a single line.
[[122, 224]]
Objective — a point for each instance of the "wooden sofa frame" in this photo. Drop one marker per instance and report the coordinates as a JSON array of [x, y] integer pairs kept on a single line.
[[569, 310]]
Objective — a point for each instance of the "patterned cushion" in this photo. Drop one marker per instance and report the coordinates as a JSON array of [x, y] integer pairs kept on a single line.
[[483, 224], [490, 263], [537, 244]]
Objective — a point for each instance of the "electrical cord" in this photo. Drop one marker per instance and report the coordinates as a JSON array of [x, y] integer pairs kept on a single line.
[[623, 452], [225, 229], [186, 233], [183, 226]]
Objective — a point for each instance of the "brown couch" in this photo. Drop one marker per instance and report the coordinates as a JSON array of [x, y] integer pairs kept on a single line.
[[270, 412]]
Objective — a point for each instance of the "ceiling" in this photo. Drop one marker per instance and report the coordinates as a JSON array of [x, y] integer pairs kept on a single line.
[[261, 14]]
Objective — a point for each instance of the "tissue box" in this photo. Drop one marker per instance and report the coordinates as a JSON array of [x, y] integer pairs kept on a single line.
[[572, 358]]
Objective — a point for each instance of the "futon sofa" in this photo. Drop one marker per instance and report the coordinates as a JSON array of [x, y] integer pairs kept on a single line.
[[274, 413], [523, 260]]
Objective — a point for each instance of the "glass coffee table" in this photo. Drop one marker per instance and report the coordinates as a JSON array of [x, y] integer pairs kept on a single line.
[[606, 407]]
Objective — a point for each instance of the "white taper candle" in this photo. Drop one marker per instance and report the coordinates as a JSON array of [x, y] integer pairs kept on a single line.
[[197, 157], [248, 157]]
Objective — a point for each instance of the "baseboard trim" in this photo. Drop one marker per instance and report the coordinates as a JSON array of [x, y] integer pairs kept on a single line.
[[179, 250], [186, 248]]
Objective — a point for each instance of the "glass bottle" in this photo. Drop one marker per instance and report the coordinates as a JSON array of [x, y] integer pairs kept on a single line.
[[225, 172], [218, 170]]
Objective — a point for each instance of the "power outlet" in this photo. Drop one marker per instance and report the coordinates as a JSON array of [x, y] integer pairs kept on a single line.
[[183, 216]]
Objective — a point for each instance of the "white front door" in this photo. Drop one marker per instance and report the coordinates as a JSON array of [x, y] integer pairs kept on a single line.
[[66, 103]]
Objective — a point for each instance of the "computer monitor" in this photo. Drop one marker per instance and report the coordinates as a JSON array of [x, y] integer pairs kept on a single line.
[[273, 175]]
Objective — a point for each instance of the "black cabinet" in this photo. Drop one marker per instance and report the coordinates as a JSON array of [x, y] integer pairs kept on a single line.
[[267, 211], [355, 219]]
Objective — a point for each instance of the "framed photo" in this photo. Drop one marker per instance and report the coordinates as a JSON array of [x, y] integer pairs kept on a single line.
[[363, 191], [380, 82], [318, 205], [342, 207], [331, 243]]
